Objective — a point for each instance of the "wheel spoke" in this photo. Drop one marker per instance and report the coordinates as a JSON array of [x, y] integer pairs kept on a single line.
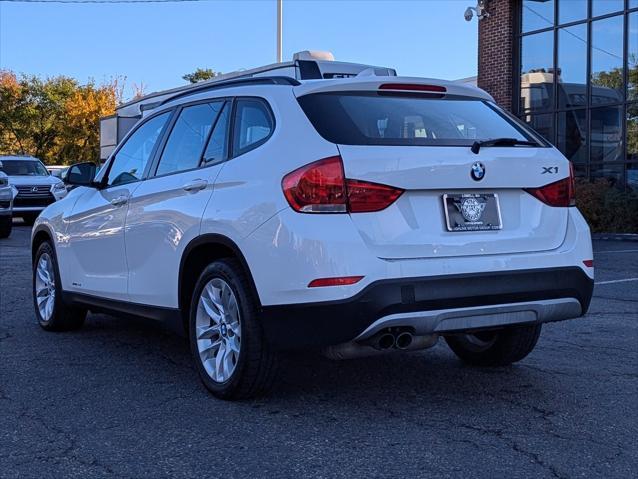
[[233, 344], [214, 294], [42, 274], [229, 365], [219, 362], [209, 350], [210, 332]]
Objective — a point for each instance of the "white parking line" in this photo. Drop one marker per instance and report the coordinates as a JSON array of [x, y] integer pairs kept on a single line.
[[616, 281], [617, 251]]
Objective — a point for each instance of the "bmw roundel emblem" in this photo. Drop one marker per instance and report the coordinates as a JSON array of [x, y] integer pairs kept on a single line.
[[478, 171]]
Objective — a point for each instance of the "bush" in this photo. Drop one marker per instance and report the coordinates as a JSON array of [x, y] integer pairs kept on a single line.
[[606, 208]]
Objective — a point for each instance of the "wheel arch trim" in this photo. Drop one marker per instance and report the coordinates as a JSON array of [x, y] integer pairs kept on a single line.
[[213, 239]]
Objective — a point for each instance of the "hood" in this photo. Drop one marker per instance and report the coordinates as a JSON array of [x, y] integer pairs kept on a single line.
[[34, 180]]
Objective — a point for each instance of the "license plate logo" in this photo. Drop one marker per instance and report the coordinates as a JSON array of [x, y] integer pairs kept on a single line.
[[472, 209], [472, 212]]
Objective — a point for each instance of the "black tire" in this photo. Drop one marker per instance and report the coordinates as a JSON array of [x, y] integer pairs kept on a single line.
[[29, 218], [6, 225], [256, 367], [64, 317], [495, 348]]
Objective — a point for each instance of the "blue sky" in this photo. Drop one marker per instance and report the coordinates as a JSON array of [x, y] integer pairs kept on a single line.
[[155, 44]]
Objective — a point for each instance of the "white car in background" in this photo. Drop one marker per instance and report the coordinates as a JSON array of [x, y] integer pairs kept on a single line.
[[7, 194], [358, 215], [37, 189]]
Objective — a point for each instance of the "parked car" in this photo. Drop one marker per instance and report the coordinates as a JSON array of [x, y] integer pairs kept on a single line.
[[36, 187], [7, 193], [57, 170], [358, 215]]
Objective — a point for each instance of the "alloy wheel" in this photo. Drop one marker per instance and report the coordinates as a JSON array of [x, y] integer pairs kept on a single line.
[[218, 330], [45, 287]]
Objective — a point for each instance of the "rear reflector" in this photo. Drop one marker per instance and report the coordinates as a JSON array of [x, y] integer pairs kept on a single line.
[[589, 263], [413, 87], [559, 193], [321, 187], [341, 281]]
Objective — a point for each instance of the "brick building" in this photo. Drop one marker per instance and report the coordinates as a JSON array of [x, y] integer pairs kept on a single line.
[[570, 69]]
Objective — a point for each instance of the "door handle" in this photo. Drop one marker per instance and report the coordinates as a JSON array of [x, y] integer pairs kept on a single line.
[[120, 200], [195, 185]]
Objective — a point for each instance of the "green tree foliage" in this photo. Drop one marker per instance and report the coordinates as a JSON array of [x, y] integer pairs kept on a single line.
[[54, 119], [200, 74]]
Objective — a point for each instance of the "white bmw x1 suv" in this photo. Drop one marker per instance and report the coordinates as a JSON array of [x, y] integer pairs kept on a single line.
[[353, 215]]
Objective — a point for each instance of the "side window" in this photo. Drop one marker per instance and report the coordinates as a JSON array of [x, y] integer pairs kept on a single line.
[[129, 163], [252, 126], [217, 145], [183, 150]]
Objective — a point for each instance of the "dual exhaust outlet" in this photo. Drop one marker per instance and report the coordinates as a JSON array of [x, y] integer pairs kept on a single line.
[[388, 340], [396, 338]]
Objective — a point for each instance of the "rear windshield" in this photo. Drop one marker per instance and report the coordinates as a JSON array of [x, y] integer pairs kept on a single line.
[[23, 168], [373, 118]]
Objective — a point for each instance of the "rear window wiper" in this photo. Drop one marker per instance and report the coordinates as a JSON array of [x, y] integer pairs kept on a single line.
[[476, 146]]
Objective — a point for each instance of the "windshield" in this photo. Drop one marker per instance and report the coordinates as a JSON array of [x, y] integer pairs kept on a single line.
[[379, 118], [24, 168]]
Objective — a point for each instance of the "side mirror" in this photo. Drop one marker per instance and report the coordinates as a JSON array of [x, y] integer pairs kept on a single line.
[[81, 174]]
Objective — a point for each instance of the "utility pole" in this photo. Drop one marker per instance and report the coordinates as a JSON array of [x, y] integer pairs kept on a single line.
[[280, 15]]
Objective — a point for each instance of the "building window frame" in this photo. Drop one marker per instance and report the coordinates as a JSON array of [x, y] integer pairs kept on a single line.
[[555, 109]]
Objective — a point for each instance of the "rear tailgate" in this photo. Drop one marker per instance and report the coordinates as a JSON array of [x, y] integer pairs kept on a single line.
[[415, 225], [416, 135]]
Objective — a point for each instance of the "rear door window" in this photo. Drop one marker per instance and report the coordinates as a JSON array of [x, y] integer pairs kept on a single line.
[[253, 125], [183, 150], [372, 118], [216, 150]]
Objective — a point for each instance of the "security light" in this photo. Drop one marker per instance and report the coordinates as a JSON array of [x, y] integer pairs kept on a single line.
[[480, 9]]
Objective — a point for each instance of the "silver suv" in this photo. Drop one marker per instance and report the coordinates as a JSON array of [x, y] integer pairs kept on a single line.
[[7, 193], [37, 189]]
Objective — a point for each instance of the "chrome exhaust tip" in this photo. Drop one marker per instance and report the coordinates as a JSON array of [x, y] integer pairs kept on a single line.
[[385, 341], [403, 340]]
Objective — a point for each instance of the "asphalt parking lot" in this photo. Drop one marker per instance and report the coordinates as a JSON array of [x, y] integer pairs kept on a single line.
[[120, 398]]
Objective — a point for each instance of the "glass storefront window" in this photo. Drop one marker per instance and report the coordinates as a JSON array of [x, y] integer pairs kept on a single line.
[[537, 14], [603, 7], [537, 77], [611, 172], [572, 135], [543, 124], [632, 132], [631, 176], [606, 134], [607, 61], [571, 11], [572, 66], [632, 58], [581, 93]]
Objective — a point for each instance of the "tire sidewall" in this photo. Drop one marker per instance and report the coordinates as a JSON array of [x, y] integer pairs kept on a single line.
[[222, 270]]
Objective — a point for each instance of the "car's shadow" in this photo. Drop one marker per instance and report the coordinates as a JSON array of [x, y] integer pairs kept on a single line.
[[434, 378]]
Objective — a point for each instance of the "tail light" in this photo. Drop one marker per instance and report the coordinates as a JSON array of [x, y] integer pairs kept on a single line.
[[321, 187], [559, 193]]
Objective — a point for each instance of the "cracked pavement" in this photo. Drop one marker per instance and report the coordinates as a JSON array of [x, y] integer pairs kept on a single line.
[[120, 398]]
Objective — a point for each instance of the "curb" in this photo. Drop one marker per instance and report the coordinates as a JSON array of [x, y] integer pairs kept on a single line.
[[615, 236]]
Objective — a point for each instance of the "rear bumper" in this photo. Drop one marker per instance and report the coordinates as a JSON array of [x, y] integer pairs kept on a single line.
[[436, 304]]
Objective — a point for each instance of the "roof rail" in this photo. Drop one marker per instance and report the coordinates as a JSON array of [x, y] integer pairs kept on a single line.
[[274, 80]]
